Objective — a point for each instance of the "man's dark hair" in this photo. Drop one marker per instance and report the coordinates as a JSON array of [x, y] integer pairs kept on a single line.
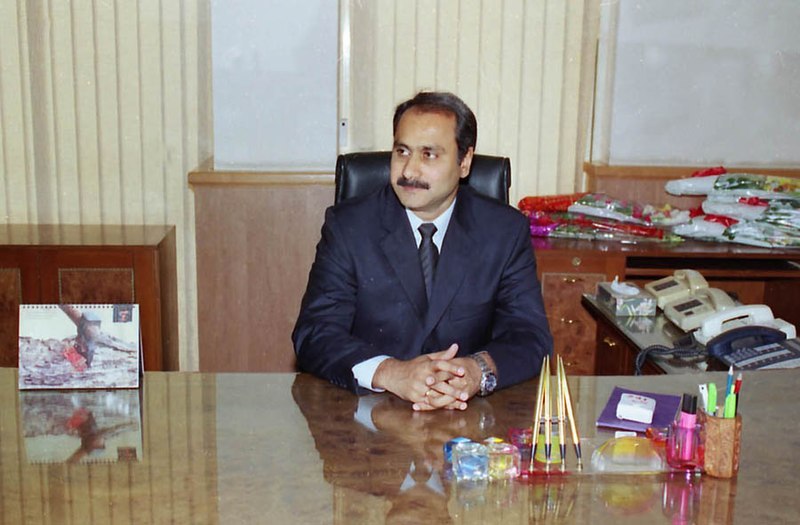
[[443, 102]]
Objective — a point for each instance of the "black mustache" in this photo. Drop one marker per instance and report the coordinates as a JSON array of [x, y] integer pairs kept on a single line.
[[405, 181]]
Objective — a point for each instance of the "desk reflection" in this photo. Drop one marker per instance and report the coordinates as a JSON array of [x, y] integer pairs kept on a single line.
[[81, 426], [392, 452]]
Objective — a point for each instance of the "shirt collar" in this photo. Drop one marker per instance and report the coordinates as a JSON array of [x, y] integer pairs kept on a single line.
[[441, 222]]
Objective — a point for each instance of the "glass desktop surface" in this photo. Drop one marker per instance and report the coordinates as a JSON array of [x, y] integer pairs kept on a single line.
[[290, 448]]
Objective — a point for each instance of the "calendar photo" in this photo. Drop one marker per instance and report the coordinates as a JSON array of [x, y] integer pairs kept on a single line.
[[79, 346]]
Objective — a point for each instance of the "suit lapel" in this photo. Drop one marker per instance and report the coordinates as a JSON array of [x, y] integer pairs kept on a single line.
[[454, 262], [400, 249]]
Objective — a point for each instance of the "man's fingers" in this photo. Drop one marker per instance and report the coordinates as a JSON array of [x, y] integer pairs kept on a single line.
[[458, 382], [443, 376], [447, 354], [449, 367], [448, 389], [434, 400]]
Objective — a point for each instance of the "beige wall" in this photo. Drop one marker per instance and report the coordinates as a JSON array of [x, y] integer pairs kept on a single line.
[[105, 107], [524, 66]]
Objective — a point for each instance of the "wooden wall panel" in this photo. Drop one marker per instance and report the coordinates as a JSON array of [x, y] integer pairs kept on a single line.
[[256, 239]]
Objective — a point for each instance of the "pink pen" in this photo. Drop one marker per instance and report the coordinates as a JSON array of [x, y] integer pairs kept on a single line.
[[687, 421]]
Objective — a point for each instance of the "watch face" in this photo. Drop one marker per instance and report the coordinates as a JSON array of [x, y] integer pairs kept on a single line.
[[489, 383]]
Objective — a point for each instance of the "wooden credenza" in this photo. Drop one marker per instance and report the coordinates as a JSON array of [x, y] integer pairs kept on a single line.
[[48, 264], [566, 272], [569, 268]]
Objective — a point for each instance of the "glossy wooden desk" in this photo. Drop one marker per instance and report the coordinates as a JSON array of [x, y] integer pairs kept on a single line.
[[285, 448]]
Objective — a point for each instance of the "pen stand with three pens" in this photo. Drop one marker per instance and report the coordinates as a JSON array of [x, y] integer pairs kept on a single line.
[[723, 438], [548, 436]]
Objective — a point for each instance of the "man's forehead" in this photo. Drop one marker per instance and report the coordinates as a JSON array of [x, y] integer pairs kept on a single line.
[[422, 111], [449, 124]]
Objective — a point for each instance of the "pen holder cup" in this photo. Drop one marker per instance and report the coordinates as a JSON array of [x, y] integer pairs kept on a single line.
[[723, 440]]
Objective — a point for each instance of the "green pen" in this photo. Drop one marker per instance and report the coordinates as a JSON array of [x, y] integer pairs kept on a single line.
[[711, 407], [730, 406]]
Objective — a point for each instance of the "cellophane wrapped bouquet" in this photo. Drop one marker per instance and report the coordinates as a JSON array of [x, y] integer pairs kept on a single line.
[[745, 208], [597, 216]]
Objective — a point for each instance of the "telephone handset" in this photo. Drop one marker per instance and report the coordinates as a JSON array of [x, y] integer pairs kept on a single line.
[[679, 285], [742, 316], [755, 348], [727, 343], [690, 312]]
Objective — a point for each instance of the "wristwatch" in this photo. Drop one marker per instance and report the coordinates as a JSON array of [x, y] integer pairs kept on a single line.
[[488, 379]]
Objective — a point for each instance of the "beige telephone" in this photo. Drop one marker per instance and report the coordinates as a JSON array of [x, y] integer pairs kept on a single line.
[[690, 312], [751, 315], [679, 285]]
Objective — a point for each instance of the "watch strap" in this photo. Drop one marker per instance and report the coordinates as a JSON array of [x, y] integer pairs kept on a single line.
[[488, 378]]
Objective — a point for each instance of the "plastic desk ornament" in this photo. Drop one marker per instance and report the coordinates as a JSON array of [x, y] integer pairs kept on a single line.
[[494, 459], [628, 454]]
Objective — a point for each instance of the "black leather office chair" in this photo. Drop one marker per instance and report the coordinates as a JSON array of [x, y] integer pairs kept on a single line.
[[361, 173]]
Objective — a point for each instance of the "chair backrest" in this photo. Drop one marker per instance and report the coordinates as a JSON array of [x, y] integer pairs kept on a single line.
[[361, 173]]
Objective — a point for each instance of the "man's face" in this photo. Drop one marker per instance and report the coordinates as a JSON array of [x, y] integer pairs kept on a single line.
[[425, 170]]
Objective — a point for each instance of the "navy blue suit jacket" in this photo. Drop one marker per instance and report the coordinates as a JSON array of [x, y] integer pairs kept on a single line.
[[366, 294]]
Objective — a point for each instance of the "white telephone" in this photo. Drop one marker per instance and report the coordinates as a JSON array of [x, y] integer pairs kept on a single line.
[[690, 312], [739, 316], [679, 285]]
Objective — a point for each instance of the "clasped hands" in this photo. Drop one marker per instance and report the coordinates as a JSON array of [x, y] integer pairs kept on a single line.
[[431, 381]]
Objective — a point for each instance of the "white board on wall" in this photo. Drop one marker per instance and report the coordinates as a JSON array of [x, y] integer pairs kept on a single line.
[[274, 66], [706, 83]]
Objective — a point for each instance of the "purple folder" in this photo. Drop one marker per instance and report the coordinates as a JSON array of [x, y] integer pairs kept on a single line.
[[665, 411]]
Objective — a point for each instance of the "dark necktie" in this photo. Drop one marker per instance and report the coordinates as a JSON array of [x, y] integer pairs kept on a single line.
[[428, 255]]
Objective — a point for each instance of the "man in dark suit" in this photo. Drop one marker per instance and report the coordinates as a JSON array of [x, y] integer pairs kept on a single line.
[[424, 288]]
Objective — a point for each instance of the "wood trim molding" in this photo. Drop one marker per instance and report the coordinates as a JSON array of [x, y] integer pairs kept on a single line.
[[594, 171], [206, 174], [233, 178]]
